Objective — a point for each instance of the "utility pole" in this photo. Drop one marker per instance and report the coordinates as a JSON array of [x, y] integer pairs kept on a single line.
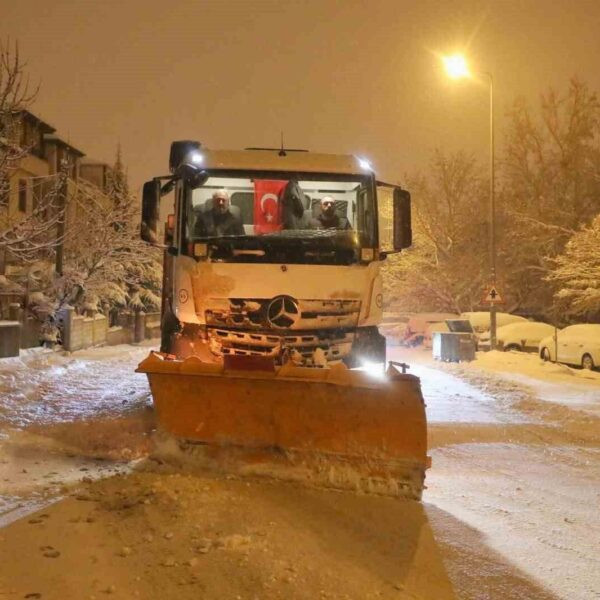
[[457, 68], [492, 218]]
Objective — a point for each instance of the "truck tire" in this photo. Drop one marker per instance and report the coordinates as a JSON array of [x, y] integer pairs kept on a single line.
[[369, 345]]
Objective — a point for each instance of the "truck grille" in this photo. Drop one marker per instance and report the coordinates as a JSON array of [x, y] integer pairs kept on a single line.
[[281, 313], [335, 344]]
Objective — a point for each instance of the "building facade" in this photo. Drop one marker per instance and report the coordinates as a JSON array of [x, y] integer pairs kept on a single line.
[[31, 157]]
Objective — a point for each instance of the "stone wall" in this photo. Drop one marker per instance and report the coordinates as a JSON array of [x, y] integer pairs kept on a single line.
[[152, 325], [9, 338], [82, 332], [30, 332], [78, 332], [118, 335]]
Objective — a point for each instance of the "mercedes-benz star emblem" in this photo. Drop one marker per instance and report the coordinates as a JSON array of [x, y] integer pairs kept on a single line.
[[283, 312]]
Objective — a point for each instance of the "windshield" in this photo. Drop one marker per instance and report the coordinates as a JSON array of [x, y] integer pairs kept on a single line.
[[305, 218]]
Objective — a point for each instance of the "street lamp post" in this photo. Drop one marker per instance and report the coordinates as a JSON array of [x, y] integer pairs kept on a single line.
[[457, 68]]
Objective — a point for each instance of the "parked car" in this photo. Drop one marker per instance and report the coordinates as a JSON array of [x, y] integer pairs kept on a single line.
[[393, 326], [577, 345], [480, 320], [522, 336], [420, 326]]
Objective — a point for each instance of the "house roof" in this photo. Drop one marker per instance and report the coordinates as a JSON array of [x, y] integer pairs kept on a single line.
[[94, 162], [29, 116], [54, 139]]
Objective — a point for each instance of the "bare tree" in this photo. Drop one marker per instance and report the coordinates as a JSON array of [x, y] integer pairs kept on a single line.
[[31, 236], [16, 94], [446, 268], [35, 236]]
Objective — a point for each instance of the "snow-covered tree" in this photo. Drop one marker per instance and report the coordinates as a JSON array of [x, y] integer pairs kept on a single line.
[[144, 278], [106, 262], [447, 266], [576, 273], [550, 187], [118, 185]]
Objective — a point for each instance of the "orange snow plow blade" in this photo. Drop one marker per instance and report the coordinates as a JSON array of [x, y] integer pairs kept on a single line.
[[333, 427]]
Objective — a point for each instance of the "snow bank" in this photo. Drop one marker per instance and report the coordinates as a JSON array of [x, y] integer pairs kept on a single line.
[[577, 389]]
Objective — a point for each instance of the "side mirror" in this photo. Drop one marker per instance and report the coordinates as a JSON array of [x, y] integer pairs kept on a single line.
[[150, 211], [402, 219]]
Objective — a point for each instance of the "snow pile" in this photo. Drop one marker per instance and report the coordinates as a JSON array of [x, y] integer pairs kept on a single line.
[[532, 365], [577, 389]]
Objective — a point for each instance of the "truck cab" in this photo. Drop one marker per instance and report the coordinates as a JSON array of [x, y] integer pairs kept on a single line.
[[295, 271]]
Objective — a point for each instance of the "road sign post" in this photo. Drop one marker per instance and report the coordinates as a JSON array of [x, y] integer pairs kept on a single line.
[[492, 297]]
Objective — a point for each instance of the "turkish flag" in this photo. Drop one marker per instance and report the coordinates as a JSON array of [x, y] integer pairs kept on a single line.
[[267, 215]]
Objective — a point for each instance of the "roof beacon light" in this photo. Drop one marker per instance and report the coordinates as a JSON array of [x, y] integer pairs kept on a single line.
[[365, 164], [196, 158]]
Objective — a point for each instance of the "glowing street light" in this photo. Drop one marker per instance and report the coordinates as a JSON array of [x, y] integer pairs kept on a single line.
[[457, 68]]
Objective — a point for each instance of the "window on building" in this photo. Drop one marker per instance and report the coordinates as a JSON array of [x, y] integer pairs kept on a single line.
[[23, 195]]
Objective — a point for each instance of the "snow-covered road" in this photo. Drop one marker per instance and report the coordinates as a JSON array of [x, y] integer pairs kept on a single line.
[[44, 387], [511, 509], [515, 444]]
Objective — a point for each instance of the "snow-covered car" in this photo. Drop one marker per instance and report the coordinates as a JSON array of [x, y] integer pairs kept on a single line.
[[420, 327], [393, 326], [577, 345], [480, 320], [522, 336]]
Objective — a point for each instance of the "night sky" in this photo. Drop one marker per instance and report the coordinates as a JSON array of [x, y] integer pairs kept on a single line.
[[351, 77]]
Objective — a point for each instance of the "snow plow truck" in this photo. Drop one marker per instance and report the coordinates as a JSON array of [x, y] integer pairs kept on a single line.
[[266, 321]]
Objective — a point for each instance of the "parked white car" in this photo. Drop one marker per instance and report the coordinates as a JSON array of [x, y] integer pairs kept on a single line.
[[522, 336], [577, 345]]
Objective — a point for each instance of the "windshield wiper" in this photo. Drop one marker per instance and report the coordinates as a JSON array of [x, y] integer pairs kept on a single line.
[[222, 238]]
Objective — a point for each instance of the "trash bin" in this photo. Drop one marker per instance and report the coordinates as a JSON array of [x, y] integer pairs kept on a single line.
[[455, 345], [10, 334]]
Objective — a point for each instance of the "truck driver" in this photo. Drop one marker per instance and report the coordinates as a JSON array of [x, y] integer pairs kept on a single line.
[[218, 220]]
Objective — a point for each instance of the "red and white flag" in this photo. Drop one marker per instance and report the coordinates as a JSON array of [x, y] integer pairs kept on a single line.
[[267, 215]]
